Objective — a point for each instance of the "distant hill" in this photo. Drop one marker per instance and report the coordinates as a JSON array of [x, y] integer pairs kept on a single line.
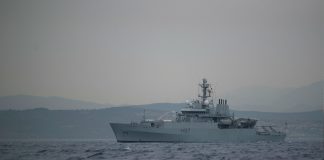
[[21, 102], [306, 98], [24, 102]]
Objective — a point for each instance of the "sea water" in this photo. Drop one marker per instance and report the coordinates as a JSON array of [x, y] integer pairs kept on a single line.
[[110, 149], [304, 141]]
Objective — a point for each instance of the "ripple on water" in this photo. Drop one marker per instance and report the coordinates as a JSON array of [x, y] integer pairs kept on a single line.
[[75, 158], [95, 155], [42, 151]]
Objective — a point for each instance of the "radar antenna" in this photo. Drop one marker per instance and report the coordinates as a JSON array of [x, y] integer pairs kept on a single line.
[[205, 88]]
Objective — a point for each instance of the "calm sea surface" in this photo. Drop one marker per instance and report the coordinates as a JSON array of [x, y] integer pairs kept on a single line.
[[304, 141], [109, 149]]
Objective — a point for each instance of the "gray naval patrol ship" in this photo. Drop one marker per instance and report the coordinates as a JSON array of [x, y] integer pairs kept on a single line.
[[200, 121]]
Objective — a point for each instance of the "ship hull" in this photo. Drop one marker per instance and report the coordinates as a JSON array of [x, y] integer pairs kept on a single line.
[[188, 132]]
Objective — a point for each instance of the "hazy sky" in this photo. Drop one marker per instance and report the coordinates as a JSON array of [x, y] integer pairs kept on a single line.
[[135, 52]]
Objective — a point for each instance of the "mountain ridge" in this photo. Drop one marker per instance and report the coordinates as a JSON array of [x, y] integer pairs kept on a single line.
[[305, 98]]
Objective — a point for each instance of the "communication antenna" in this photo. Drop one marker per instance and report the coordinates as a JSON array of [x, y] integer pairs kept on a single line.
[[215, 91], [144, 116], [213, 86], [198, 90]]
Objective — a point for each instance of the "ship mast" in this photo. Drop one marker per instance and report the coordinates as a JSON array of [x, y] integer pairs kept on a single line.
[[205, 89]]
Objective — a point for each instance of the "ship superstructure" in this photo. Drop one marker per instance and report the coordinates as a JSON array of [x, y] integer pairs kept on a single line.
[[200, 121]]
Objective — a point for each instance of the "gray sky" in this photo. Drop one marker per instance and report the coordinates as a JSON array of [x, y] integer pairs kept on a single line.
[[135, 52]]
